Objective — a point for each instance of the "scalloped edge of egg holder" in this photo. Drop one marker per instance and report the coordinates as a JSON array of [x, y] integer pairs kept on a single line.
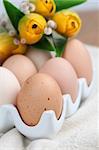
[[47, 127], [6, 122], [83, 93], [9, 116], [48, 124]]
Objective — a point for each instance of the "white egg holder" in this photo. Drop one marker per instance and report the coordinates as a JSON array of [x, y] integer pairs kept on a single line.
[[48, 124]]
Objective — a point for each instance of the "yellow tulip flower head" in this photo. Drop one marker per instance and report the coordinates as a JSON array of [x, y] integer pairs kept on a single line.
[[68, 23], [8, 47], [21, 49], [31, 28], [46, 8]]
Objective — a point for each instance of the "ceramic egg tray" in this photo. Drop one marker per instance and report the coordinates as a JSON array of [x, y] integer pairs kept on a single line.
[[48, 124]]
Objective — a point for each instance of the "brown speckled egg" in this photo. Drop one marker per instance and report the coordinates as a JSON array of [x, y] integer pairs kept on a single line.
[[78, 56], [62, 71], [21, 66], [39, 93], [39, 57]]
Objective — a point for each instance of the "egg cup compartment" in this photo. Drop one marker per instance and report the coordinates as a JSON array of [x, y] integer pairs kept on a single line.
[[83, 93], [86, 90], [46, 128], [71, 107], [48, 124]]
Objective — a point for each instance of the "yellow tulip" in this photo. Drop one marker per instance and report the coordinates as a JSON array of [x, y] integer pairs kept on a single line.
[[20, 50], [8, 48], [31, 28], [46, 8], [68, 23]]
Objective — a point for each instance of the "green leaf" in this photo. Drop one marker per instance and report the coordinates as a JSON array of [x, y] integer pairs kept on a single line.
[[14, 13], [59, 43], [65, 4], [46, 43], [54, 42]]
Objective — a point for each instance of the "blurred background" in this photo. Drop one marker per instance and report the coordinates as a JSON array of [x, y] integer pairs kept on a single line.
[[89, 13]]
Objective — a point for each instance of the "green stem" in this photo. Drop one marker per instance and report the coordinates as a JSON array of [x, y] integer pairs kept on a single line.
[[32, 1], [59, 53]]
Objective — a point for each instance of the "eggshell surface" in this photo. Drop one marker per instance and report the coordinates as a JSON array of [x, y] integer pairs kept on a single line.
[[21, 66], [39, 57], [78, 56], [39, 93], [62, 71], [9, 87]]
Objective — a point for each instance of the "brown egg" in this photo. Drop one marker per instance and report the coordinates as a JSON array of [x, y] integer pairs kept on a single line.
[[62, 71], [79, 58], [39, 57], [39, 93], [21, 66]]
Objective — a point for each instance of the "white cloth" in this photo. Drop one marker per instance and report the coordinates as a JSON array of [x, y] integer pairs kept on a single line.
[[79, 132]]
